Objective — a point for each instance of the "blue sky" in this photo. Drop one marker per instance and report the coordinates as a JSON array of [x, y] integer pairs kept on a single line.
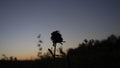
[[22, 20]]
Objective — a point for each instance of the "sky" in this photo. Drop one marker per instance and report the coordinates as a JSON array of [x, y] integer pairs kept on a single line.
[[21, 21]]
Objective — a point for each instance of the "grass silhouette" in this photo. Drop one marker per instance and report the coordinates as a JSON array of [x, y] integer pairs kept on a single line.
[[89, 54]]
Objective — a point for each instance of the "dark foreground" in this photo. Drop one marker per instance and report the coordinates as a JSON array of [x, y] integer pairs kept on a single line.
[[89, 54], [49, 63]]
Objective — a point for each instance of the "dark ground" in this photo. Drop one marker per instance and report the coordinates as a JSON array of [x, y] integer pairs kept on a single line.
[[89, 54]]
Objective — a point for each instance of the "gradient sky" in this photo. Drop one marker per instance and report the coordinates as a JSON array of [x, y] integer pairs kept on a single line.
[[21, 21]]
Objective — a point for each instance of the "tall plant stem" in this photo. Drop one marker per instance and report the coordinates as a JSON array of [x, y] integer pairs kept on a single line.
[[54, 50]]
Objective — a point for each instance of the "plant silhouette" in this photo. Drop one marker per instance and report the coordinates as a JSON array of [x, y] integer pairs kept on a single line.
[[96, 53], [39, 46], [89, 54], [4, 57], [56, 37]]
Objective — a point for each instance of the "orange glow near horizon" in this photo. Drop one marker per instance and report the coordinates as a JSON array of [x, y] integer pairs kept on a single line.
[[21, 21]]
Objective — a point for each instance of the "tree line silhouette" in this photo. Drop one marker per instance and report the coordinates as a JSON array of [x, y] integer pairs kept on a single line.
[[96, 54], [89, 54]]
